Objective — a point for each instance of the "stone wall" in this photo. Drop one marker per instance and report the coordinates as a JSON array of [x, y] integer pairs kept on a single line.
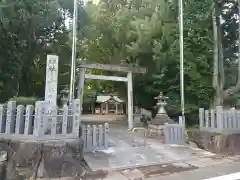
[[21, 160], [215, 142]]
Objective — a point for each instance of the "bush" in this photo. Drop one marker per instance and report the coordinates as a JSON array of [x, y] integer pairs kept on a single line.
[[24, 100]]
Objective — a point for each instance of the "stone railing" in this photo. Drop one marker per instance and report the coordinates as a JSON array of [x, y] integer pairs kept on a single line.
[[219, 120], [175, 133], [42, 122], [95, 137]]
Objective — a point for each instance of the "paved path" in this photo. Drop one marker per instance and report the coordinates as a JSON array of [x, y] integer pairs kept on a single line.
[[203, 169], [128, 150], [203, 173]]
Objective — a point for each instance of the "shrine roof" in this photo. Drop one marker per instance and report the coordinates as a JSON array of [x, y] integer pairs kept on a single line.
[[102, 99]]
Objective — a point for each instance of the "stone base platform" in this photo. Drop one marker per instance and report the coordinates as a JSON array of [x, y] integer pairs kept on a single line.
[[156, 129], [215, 142], [21, 160]]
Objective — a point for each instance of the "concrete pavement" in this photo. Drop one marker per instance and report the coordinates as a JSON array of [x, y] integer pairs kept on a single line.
[[202, 173], [202, 169]]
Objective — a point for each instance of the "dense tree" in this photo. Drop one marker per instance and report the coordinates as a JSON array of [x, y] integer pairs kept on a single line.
[[136, 33], [145, 33], [29, 30]]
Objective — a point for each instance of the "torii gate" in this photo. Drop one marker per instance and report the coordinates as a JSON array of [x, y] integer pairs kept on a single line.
[[108, 67]]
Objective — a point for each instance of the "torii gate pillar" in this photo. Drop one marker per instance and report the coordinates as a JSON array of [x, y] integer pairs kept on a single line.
[[130, 100]]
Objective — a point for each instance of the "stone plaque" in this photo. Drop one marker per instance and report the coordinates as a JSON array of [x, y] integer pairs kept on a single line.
[[51, 79]]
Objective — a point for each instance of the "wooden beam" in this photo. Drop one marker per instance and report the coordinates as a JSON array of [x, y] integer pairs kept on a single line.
[[107, 78], [109, 67]]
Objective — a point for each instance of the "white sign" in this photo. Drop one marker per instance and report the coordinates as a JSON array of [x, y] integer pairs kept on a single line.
[[51, 79]]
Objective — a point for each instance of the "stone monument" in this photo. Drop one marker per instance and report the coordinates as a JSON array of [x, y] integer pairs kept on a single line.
[[157, 124], [50, 92], [51, 79]]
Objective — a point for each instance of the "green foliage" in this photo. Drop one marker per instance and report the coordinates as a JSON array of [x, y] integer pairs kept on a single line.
[[145, 33], [138, 33], [29, 30], [24, 100]]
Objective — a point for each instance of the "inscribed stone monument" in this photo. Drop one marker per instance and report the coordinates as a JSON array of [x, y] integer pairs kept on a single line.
[[51, 79]]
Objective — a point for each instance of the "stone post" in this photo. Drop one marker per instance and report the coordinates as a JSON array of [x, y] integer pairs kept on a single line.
[[201, 117], [206, 118], [38, 105], [106, 131], [213, 122], [29, 120], [76, 117], [39, 120], [11, 120], [101, 109], [106, 112], [65, 119], [116, 109], [2, 119], [19, 129]]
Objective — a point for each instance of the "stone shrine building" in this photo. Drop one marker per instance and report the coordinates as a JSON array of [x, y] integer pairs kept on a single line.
[[109, 105]]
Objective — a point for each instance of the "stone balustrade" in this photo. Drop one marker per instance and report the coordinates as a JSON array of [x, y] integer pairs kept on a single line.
[[43, 122], [219, 120]]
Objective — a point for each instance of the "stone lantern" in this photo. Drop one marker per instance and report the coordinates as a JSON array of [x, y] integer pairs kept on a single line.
[[161, 116], [157, 124]]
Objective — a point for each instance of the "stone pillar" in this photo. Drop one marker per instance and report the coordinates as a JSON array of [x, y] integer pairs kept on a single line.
[[76, 117], [130, 101], [106, 112], [2, 119], [116, 109], [65, 119], [39, 120], [29, 120], [19, 129], [122, 108], [92, 107], [101, 108], [11, 121]]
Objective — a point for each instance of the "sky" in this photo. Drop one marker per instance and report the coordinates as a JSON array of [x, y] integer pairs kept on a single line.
[[94, 1]]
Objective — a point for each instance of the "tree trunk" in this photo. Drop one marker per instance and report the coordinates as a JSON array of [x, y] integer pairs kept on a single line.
[[215, 49], [218, 61], [218, 98], [218, 78]]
